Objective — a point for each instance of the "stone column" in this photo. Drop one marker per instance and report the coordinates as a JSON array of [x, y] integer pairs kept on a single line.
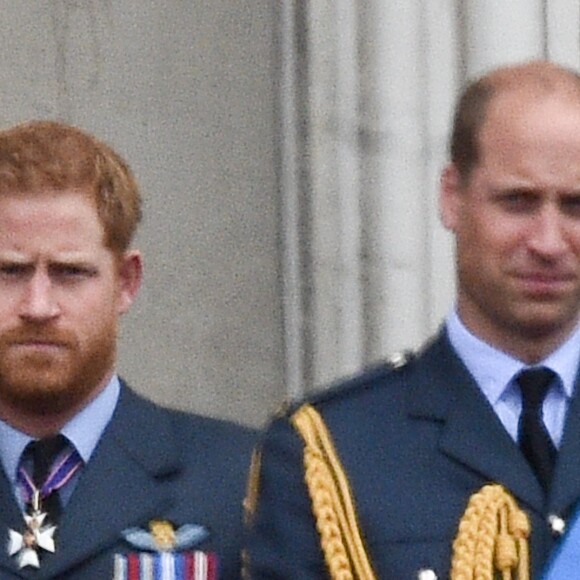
[[378, 81]]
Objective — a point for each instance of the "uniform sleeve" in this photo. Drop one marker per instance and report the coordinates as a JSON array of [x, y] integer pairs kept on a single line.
[[283, 541]]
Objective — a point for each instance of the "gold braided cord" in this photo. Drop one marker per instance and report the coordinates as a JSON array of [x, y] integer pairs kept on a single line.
[[332, 501], [250, 504], [492, 538], [253, 486]]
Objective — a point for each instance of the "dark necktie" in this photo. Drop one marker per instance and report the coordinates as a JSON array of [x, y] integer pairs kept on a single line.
[[43, 454], [535, 442]]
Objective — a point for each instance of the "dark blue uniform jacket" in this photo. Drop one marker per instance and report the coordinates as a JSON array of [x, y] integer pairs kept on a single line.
[[151, 463], [416, 443]]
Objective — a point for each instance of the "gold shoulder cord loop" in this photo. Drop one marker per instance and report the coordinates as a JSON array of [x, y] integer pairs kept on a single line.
[[332, 501], [492, 538], [249, 504], [252, 486]]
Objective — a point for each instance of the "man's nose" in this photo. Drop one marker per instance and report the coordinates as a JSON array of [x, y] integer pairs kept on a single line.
[[547, 236], [39, 300]]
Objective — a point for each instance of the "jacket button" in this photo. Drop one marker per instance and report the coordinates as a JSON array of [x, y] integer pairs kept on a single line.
[[557, 525]]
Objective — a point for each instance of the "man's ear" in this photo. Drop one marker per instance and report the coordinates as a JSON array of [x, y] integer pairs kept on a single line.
[[450, 196], [130, 275]]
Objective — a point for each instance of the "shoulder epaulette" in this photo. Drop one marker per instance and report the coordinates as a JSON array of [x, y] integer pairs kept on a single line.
[[344, 387], [332, 500]]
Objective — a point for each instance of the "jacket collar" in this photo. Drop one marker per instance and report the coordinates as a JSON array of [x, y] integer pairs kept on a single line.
[[136, 455], [471, 434]]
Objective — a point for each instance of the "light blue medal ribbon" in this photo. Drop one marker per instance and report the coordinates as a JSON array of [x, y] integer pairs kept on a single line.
[[565, 561]]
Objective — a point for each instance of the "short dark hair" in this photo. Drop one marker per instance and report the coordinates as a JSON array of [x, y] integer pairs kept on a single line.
[[469, 118]]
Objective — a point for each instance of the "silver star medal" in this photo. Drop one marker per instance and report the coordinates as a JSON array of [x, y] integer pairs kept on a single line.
[[36, 537]]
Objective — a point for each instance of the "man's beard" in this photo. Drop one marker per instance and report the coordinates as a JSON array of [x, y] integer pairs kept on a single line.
[[50, 383]]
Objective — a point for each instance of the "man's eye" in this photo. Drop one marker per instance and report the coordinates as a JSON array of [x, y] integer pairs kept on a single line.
[[571, 206], [12, 270], [518, 202], [71, 271], [66, 272]]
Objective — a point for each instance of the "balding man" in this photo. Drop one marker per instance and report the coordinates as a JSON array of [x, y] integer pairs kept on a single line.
[[371, 479]]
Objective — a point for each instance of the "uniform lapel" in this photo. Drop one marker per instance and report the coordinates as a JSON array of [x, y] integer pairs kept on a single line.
[[475, 437], [122, 485], [566, 485], [471, 433]]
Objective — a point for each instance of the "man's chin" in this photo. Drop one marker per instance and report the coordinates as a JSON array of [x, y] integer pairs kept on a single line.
[[544, 323], [49, 400]]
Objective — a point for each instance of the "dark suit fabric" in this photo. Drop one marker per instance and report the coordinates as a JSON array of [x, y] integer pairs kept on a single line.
[[416, 443], [150, 463]]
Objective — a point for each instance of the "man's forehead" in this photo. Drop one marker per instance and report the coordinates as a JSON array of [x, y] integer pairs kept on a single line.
[[510, 120]]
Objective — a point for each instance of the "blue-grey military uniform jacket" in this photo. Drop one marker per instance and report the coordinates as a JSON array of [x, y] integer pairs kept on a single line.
[[416, 442], [151, 463]]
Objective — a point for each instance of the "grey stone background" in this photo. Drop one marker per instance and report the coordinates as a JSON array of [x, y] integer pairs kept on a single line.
[[185, 91], [289, 153]]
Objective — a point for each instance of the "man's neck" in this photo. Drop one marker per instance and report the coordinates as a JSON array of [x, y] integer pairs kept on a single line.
[[528, 344], [44, 424], [36, 425]]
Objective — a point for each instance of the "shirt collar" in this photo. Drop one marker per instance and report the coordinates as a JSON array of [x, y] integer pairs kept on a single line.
[[83, 430], [493, 369]]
